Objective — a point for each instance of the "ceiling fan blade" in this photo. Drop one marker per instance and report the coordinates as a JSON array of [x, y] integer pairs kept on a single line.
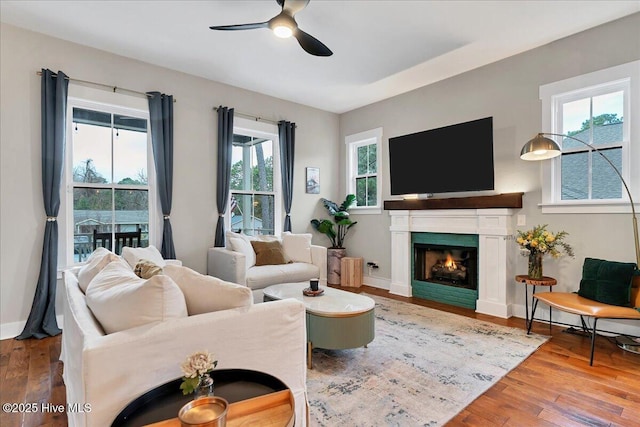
[[241, 26], [311, 44], [292, 7]]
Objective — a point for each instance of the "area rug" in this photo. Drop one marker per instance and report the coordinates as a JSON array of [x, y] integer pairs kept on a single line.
[[423, 367]]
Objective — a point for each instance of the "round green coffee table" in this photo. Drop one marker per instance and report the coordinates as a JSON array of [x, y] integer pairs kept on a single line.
[[336, 320]]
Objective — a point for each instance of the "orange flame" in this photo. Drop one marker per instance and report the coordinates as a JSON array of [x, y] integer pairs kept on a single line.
[[450, 264]]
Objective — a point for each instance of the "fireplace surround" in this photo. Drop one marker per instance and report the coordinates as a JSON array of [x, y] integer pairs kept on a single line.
[[493, 228]]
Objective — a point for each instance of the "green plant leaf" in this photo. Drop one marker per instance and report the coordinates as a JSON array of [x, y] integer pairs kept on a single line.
[[341, 215], [189, 385], [341, 219], [348, 202], [326, 227], [332, 207]]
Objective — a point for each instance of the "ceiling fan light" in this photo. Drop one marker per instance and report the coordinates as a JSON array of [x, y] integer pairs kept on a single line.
[[282, 31]]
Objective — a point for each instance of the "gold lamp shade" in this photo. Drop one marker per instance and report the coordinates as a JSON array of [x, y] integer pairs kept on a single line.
[[540, 148]]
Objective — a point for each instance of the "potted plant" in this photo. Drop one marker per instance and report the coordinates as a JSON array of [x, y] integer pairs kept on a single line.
[[336, 231]]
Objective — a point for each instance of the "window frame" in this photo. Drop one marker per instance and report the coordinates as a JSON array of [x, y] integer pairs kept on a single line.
[[624, 78], [353, 142], [115, 104], [258, 129]]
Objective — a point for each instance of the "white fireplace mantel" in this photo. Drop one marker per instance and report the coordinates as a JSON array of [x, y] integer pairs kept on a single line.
[[495, 261]]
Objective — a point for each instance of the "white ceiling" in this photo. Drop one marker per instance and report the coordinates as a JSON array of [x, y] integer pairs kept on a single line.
[[381, 48]]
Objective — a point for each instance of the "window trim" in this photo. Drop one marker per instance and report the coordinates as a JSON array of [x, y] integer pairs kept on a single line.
[[117, 104], [592, 84], [352, 142], [269, 131]]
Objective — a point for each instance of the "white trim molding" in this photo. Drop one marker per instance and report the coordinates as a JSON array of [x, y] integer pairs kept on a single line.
[[377, 282], [625, 77], [352, 142]]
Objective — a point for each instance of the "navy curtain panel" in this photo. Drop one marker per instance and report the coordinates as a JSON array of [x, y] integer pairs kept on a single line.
[[287, 135], [223, 176], [161, 118], [54, 88]]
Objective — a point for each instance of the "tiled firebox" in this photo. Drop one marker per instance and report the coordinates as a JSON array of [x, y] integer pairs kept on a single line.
[[444, 268]]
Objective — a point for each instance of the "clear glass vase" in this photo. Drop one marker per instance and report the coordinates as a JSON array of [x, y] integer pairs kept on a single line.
[[205, 387], [535, 265]]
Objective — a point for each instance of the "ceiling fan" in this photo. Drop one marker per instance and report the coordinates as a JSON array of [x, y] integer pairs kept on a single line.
[[284, 25]]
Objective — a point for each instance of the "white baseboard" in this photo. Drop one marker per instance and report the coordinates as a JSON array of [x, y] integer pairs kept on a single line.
[[13, 329], [377, 282]]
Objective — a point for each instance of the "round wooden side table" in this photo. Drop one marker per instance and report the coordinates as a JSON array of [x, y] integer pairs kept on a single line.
[[550, 282]]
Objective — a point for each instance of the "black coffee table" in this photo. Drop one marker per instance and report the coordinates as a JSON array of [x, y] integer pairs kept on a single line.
[[164, 402]]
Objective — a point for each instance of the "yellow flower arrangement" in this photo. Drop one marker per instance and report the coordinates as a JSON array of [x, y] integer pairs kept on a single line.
[[539, 240]]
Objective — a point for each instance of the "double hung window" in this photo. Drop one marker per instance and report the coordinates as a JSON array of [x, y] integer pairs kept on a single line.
[[597, 110], [255, 182], [595, 117], [363, 170], [108, 165]]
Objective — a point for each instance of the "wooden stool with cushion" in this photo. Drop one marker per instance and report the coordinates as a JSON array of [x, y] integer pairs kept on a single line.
[[608, 290]]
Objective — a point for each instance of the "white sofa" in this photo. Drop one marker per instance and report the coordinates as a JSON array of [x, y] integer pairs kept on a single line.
[[107, 371], [235, 264]]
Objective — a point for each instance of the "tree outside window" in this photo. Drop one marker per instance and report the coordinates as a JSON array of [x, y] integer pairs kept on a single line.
[[109, 177], [367, 175], [363, 170], [598, 121], [597, 108], [252, 185]]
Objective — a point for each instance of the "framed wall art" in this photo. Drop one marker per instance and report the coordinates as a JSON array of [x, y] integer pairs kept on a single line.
[[313, 180]]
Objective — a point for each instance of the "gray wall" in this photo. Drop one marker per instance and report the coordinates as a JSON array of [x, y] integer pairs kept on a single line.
[[508, 91], [22, 216]]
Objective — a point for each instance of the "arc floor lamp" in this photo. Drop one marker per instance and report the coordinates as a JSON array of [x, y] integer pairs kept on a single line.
[[542, 148]]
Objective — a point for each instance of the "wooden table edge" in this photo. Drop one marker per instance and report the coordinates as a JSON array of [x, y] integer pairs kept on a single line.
[[262, 407], [544, 281]]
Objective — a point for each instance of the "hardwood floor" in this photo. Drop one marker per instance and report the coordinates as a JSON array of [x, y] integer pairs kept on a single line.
[[31, 373], [555, 386]]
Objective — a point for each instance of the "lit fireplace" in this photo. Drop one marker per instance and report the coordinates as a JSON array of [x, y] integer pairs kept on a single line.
[[446, 265], [449, 269]]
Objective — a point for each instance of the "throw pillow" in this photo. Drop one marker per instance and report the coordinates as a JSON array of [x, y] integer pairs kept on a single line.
[[94, 265], [268, 253], [608, 282], [297, 247], [151, 253], [244, 247], [146, 269], [120, 300], [205, 294], [230, 234]]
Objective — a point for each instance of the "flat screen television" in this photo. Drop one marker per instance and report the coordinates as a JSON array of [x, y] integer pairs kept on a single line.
[[454, 158]]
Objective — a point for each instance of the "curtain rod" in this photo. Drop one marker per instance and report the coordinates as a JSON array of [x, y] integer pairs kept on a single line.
[[252, 117], [102, 85]]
